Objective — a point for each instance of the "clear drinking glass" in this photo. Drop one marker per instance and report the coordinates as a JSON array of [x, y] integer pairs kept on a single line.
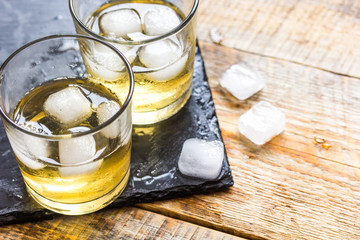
[[71, 135], [158, 38]]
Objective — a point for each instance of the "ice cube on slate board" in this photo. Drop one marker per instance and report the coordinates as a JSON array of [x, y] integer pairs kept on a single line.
[[160, 20], [120, 22], [68, 106], [104, 112], [201, 159], [261, 123], [78, 150], [241, 81]]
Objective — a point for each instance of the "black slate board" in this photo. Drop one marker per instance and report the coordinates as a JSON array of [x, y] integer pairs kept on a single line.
[[156, 148]]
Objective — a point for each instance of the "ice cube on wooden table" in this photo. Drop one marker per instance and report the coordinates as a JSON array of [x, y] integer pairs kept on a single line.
[[261, 123], [241, 81], [215, 35], [201, 159], [68, 106]]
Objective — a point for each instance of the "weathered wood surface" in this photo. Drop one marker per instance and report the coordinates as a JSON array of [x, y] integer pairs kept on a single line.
[[292, 187], [126, 223], [322, 33]]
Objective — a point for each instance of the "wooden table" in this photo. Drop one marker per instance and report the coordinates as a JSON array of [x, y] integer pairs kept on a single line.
[[293, 187]]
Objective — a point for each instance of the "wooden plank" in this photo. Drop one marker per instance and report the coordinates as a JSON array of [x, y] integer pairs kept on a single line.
[[321, 33], [289, 188], [317, 104], [125, 223]]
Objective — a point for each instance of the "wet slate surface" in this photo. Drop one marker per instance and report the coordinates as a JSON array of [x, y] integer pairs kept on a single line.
[[156, 148]]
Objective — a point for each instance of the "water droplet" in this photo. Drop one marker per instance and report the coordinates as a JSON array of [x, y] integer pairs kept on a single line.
[[58, 17], [19, 196]]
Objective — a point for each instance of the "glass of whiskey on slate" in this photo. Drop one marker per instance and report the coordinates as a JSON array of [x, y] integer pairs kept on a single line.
[[158, 38], [71, 135]]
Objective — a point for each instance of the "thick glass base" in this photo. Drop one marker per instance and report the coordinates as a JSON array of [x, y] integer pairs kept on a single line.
[[81, 208], [143, 118]]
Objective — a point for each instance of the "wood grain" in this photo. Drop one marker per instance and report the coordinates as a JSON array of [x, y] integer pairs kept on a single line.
[[125, 223], [289, 188], [323, 33], [318, 104]]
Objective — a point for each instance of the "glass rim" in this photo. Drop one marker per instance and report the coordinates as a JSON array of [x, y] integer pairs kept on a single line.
[[76, 134], [144, 41]]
